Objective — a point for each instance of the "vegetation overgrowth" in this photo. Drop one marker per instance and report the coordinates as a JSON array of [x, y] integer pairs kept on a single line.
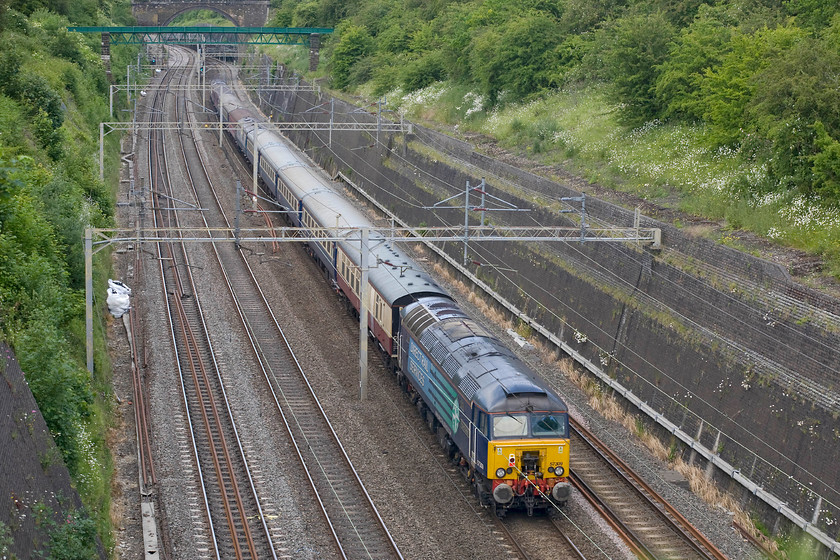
[[53, 95], [728, 109], [200, 17]]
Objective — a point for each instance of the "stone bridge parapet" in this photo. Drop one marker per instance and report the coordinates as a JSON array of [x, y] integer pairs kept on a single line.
[[242, 13]]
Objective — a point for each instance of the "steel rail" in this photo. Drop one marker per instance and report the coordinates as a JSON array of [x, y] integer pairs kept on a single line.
[[260, 513], [701, 545], [154, 176], [211, 419], [235, 512], [250, 312], [520, 551], [613, 520], [144, 445], [577, 552]]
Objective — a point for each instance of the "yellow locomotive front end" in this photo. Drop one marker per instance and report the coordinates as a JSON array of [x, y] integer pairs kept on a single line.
[[529, 472]]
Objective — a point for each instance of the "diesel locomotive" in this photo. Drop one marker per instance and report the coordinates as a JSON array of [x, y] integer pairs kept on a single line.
[[495, 418]]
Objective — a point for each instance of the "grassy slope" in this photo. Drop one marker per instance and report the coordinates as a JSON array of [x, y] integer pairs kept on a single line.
[[664, 164]]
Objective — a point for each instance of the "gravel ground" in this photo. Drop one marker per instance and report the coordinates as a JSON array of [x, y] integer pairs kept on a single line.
[[428, 508]]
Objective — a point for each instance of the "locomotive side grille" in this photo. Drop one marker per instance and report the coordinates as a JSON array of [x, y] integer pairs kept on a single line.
[[468, 386]]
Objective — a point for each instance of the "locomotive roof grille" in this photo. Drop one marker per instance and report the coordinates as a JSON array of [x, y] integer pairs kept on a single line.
[[450, 365], [439, 352], [457, 330], [469, 386]]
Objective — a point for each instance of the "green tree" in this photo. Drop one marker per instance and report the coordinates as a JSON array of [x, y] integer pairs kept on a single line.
[[307, 14], [699, 47], [459, 27], [825, 164], [423, 71], [795, 109], [727, 89], [581, 16], [354, 44], [635, 48], [521, 60], [38, 304], [813, 14]]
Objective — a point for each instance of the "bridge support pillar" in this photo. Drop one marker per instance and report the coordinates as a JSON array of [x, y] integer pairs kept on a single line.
[[314, 51], [106, 55]]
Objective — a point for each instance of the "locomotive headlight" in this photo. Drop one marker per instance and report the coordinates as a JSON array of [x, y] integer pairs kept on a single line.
[[551, 470], [500, 472]]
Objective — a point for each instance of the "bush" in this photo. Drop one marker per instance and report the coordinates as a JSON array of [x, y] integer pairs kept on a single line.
[[635, 47], [700, 46], [727, 89], [354, 44], [36, 92], [795, 110], [521, 59], [74, 538], [423, 71]]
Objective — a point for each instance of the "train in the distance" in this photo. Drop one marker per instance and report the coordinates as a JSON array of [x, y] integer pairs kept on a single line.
[[496, 418]]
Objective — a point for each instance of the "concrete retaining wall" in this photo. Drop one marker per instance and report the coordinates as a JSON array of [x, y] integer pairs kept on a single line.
[[32, 471]]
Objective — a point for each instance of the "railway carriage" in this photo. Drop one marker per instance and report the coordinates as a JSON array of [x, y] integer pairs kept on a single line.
[[493, 415], [395, 281]]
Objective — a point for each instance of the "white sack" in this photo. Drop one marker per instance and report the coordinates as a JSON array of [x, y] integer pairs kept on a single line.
[[118, 298]]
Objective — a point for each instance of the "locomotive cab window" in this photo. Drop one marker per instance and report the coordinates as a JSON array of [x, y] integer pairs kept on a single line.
[[482, 424], [510, 425], [549, 425]]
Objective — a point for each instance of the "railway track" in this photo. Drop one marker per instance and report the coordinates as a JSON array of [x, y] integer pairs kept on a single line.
[[651, 527], [356, 526], [235, 520], [648, 524], [540, 537]]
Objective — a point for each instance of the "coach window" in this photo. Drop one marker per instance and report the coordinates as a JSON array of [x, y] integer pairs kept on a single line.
[[510, 425], [342, 265]]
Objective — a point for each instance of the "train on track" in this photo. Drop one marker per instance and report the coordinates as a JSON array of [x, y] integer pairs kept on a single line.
[[494, 417]]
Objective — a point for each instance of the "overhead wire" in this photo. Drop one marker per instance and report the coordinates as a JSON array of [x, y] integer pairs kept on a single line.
[[671, 282], [375, 185], [550, 295], [690, 393]]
